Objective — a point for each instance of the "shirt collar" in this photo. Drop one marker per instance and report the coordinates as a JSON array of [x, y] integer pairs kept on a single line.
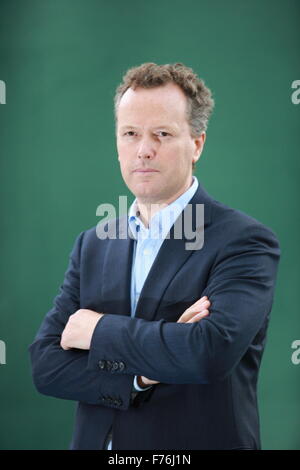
[[162, 221]]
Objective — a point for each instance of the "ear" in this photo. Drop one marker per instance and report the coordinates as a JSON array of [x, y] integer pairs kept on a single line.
[[199, 144]]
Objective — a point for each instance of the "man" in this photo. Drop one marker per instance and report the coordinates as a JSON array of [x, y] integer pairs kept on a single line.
[[159, 344]]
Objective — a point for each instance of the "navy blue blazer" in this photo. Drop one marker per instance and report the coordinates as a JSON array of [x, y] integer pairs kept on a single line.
[[208, 371]]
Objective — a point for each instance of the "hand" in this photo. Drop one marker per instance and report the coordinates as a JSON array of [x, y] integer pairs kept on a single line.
[[79, 329], [193, 314]]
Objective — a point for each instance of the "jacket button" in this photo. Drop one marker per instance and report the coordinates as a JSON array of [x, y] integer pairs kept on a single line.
[[101, 364], [108, 365], [109, 400], [115, 365], [121, 365]]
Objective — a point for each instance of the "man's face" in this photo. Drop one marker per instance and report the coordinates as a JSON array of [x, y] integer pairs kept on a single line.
[[154, 143]]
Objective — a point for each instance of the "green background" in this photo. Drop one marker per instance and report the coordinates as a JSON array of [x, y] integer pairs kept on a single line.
[[61, 61]]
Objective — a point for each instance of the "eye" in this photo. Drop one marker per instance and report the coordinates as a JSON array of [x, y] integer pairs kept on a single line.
[[129, 133], [163, 133]]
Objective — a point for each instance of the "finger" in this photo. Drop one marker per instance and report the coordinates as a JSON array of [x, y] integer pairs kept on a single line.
[[190, 312], [199, 301], [199, 305], [147, 381], [198, 317], [63, 342]]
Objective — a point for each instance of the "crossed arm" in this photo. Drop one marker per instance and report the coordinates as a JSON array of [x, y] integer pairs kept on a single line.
[[80, 327], [240, 288]]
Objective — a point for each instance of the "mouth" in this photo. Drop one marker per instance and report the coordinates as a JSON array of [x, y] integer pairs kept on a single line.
[[145, 170]]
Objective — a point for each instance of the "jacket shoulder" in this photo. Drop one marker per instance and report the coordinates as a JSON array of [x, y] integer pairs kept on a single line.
[[236, 223]]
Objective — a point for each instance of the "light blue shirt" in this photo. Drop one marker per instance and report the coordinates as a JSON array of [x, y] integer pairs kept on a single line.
[[147, 242]]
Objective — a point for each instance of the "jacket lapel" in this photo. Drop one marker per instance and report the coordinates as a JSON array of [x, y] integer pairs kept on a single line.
[[170, 258], [116, 274], [117, 265]]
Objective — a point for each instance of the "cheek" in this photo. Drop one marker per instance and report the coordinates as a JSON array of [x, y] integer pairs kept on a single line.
[[125, 151], [123, 155], [176, 155]]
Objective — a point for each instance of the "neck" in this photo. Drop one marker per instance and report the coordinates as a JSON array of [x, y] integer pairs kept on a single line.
[[148, 208]]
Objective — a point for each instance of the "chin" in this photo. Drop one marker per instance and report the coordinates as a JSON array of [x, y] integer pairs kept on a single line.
[[144, 189], [146, 194]]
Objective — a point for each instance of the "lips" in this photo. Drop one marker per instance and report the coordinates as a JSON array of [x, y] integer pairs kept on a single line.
[[145, 170]]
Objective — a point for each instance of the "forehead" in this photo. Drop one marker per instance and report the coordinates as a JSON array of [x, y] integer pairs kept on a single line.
[[166, 100]]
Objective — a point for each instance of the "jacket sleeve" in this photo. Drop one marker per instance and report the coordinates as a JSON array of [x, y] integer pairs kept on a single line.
[[240, 287], [64, 373]]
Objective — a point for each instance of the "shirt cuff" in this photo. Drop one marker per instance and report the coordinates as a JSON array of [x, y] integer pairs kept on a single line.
[[137, 387]]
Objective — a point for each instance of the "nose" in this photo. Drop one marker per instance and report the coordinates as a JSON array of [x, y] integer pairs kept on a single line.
[[146, 149]]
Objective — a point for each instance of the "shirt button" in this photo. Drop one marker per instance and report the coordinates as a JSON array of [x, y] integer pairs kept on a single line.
[[146, 252]]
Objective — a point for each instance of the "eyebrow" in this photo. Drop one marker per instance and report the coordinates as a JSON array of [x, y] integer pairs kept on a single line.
[[162, 126]]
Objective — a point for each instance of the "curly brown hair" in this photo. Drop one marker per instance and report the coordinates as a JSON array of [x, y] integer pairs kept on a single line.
[[200, 103], [149, 75]]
